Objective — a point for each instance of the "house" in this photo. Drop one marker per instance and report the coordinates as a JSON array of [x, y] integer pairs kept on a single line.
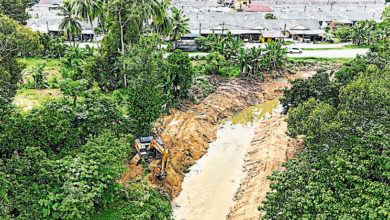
[[45, 19], [255, 7], [302, 33], [270, 36]]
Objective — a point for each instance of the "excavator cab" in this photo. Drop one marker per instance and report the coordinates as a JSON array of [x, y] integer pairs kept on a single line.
[[150, 148]]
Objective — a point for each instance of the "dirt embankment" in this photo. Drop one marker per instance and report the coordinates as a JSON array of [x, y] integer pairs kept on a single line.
[[187, 133], [269, 149]]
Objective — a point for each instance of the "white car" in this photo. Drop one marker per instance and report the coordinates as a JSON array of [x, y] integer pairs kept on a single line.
[[294, 50]]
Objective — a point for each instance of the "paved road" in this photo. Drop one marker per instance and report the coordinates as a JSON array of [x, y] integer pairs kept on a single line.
[[347, 53], [300, 45]]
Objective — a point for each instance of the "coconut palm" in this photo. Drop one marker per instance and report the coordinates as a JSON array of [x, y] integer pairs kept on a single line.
[[180, 25], [163, 28], [88, 10], [69, 23], [154, 9]]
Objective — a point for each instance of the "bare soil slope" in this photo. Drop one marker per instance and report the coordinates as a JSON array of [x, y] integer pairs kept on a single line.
[[187, 133], [269, 149]]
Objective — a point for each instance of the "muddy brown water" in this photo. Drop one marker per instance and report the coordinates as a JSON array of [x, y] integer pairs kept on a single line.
[[209, 187]]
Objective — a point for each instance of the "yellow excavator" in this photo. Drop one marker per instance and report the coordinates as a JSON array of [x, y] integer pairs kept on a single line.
[[150, 148]]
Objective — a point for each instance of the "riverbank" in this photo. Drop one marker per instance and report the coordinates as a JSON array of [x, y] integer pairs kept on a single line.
[[269, 149], [187, 133]]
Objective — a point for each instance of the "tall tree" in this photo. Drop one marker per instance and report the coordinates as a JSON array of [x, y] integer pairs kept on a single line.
[[15, 9], [88, 10], [14, 40], [69, 23], [180, 25], [128, 20]]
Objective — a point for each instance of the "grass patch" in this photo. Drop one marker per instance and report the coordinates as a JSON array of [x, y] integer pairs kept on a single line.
[[52, 68], [352, 46], [288, 43], [26, 99], [50, 63], [319, 59]]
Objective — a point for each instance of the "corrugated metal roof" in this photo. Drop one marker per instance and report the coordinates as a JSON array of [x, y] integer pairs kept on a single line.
[[308, 32], [257, 8]]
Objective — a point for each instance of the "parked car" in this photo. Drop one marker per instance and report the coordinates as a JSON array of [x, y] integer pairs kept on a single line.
[[294, 50]]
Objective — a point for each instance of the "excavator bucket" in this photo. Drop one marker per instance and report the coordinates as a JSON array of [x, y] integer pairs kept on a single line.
[[135, 159]]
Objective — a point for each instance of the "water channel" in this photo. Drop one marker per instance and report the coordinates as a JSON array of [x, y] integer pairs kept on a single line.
[[209, 187]]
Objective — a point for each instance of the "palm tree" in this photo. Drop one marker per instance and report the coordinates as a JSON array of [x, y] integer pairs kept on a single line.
[[69, 24], [88, 10], [274, 56], [152, 9], [163, 28], [180, 25]]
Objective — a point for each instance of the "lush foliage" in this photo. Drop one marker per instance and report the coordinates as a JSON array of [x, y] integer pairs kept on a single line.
[[139, 201], [38, 75], [319, 87], [74, 62], [228, 46], [179, 76], [70, 187], [14, 40], [15, 9], [342, 171], [51, 48], [69, 23], [180, 25]]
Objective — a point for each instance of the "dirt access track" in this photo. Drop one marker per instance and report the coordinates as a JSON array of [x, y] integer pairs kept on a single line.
[[187, 133]]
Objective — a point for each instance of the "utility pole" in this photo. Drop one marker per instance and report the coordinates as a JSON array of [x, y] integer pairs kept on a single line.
[[223, 27], [200, 28], [47, 26]]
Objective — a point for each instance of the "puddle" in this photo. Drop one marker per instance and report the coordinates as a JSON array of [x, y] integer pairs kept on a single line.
[[209, 187]]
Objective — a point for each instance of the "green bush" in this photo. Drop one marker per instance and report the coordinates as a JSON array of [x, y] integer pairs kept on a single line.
[[71, 187], [318, 87], [75, 59], [58, 127], [179, 76], [341, 171], [139, 201], [145, 103]]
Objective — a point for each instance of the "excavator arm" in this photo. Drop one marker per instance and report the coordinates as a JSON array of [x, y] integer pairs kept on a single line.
[[164, 160]]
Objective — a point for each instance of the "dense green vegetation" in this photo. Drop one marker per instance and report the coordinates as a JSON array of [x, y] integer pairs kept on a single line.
[[62, 159], [343, 169], [15, 9], [227, 57]]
